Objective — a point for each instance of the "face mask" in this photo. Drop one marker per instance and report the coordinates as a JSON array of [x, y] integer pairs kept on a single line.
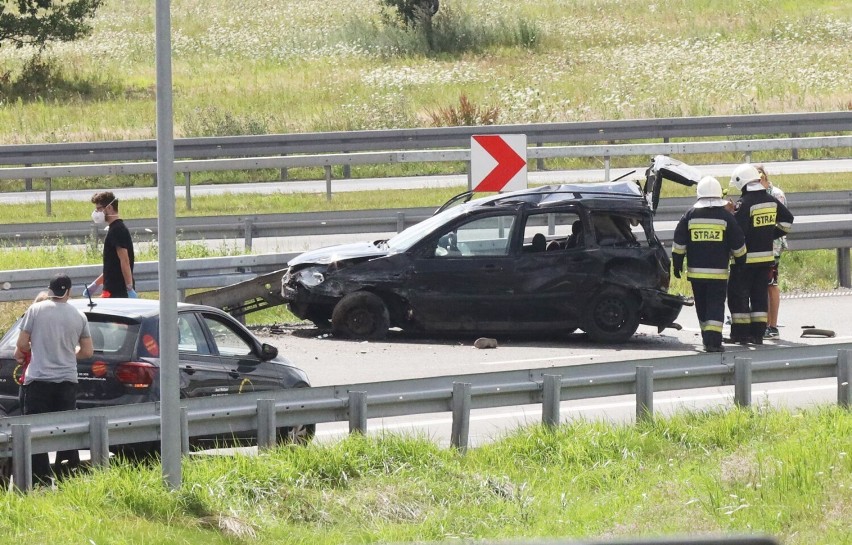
[[99, 216]]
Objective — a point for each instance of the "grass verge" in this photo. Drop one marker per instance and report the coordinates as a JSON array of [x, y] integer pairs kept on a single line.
[[784, 473]]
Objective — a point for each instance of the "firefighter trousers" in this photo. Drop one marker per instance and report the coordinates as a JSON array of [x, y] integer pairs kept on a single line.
[[748, 300], [710, 306]]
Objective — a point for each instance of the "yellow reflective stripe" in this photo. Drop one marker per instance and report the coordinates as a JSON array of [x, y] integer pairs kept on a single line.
[[758, 316], [739, 252], [709, 327], [706, 276], [760, 258], [785, 226], [741, 318]]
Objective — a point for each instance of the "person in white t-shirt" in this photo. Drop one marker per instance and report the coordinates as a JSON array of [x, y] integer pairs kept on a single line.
[[778, 247]]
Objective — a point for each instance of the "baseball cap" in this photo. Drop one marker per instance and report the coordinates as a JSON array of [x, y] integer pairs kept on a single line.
[[60, 285]]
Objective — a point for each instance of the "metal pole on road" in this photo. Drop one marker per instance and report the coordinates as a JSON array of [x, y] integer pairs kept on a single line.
[[170, 438]]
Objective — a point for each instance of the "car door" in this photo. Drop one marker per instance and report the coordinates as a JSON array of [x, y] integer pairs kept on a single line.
[[238, 353], [460, 278], [202, 372], [551, 286]]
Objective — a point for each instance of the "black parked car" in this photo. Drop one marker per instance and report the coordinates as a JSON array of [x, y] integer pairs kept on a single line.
[[218, 356], [555, 258]]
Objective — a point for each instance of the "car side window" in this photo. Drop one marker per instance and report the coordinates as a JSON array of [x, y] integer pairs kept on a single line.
[[487, 236], [191, 336], [612, 230], [549, 231], [228, 341]]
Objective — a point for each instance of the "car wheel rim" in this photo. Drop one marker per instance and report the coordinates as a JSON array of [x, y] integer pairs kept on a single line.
[[361, 322], [610, 315]]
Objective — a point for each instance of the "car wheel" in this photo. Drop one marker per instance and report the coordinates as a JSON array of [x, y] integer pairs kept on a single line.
[[296, 435], [361, 315], [613, 316], [5, 473]]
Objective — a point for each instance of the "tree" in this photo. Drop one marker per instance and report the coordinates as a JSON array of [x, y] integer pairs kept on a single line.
[[414, 12], [38, 22]]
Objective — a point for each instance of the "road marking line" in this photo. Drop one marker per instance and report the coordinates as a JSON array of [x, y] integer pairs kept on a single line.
[[539, 359]]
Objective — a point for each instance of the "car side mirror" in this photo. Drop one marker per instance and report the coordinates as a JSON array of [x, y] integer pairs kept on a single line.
[[267, 352]]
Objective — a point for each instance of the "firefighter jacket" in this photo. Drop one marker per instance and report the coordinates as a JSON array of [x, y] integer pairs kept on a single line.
[[762, 218], [708, 238]]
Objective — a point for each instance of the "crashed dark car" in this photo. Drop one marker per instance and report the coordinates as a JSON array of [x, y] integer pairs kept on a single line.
[[549, 259]]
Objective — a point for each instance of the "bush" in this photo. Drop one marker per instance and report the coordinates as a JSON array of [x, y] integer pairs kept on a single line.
[[42, 78], [466, 114], [212, 121], [452, 31]]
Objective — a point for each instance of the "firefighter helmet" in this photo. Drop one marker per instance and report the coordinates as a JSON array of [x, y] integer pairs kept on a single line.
[[709, 186], [744, 175]]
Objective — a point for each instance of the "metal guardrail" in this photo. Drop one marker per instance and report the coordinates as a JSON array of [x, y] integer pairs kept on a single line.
[[250, 227], [746, 147], [793, 124], [216, 272], [263, 412]]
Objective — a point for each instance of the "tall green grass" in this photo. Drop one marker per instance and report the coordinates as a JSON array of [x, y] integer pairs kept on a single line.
[[785, 473], [286, 66]]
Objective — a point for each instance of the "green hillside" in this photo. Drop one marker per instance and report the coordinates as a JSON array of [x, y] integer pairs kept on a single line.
[[275, 66]]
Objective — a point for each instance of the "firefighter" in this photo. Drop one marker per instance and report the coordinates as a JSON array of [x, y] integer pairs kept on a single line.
[[708, 236], [763, 218]]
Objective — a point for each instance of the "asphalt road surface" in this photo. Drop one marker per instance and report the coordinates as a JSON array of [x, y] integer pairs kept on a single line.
[[332, 361], [329, 360]]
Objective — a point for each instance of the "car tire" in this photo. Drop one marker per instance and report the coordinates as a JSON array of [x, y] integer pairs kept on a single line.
[[296, 435], [361, 315], [613, 316]]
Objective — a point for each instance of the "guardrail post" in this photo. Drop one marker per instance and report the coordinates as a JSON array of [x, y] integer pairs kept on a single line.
[[358, 412], [48, 205], [607, 161], [328, 182], [22, 461], [248, 228], [265, 424], [539, 163], [461, 415], [844, 276], [184, 430], [747, 157], [400, 222], [742, 382], [795, 150], [188, 193], [844, 378], [551, 398], [99, 441], [28, 182], [644, 393]]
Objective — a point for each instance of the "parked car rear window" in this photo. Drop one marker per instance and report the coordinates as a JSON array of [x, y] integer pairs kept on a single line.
[[112, 335]]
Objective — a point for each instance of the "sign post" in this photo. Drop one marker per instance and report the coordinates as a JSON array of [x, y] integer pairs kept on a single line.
[[498, 162]]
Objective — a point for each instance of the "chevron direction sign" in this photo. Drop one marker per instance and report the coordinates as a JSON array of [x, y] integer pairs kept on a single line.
[[498, 162]]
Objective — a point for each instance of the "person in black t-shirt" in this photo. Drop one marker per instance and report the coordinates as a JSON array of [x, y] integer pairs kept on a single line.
[[116, 280]]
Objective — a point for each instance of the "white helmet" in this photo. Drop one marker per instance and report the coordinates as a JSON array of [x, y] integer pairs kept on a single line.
[[709, 186], [744, 175]]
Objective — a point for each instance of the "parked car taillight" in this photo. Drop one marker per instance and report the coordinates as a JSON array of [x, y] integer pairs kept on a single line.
[[136, 374]]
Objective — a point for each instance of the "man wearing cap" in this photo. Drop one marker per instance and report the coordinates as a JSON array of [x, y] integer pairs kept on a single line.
[[54, 335]]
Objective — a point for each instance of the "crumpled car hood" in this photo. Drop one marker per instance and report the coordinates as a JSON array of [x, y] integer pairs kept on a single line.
[[332, 254]]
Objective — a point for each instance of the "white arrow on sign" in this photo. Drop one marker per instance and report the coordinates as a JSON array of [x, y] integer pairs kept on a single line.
[[498, 162]]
